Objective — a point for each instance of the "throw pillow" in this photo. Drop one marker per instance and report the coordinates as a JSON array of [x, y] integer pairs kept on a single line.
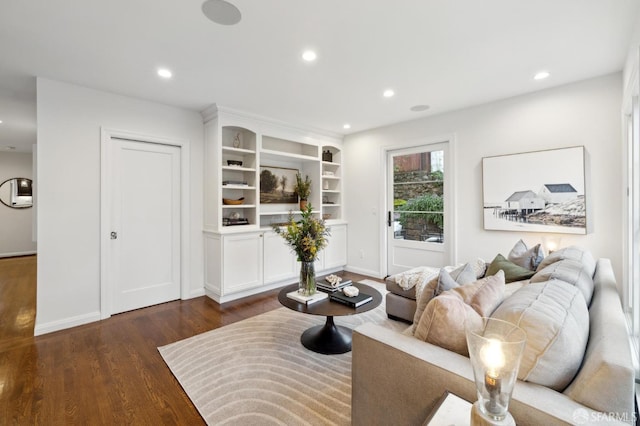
[[555, 317], [512, 272], [444, 318], [480, 267], [526, 257], [443, 282]]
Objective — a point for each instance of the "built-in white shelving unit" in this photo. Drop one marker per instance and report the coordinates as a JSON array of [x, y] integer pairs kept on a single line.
[[242, 255]]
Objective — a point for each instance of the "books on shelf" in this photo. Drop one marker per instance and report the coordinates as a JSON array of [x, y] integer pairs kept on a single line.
[[235, 183], [317, 297], [326, 286], [227, 221], [354, 302]]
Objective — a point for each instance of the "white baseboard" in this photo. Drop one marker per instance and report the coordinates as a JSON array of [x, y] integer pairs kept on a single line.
[[362, 271], [65, 323], [195, 293], [18, 253]]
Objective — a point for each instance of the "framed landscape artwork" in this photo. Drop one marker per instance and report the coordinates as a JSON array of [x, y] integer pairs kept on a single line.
[[276, 185], [542, 191]]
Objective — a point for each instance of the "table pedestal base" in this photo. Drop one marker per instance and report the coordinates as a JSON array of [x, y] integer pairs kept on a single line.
[[328, 339]]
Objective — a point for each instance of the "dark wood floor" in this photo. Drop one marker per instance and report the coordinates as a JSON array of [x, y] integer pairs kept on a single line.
[[108, 372]]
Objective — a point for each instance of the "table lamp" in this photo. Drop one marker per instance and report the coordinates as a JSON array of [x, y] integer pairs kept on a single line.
[[495, 350]]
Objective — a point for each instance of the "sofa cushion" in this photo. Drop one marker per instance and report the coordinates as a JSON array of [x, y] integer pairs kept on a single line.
[[570, 271], [465, 274], [572, 252], [528, 258], [444, 318], [393, 287], [512, 272], [608, 366], [555, 317]]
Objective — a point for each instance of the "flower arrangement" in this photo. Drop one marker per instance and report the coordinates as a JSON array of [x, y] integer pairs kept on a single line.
[[302, 187], [306, 237]]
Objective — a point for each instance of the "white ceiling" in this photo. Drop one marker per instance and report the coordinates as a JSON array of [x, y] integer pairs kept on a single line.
[[448, 54]]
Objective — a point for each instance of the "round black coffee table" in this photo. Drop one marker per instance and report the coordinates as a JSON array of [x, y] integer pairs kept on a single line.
[[329, 339]]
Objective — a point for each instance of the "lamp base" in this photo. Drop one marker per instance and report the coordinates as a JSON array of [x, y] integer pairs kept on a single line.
[[478, 418]]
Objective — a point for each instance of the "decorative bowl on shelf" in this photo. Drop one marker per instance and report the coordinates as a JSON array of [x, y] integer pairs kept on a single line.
[[230, 202], [326, 216], [234, 163]]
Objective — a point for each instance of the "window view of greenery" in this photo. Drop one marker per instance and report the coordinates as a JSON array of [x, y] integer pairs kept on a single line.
[[418, 185]]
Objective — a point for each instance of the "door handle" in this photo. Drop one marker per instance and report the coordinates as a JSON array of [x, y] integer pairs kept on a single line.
[[389, 218], [114, 235]]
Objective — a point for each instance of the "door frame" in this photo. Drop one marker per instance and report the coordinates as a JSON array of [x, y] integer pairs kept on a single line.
[[106, 134], [450, 195]]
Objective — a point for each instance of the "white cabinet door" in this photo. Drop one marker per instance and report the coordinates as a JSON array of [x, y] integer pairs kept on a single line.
[[335, 254], [279, 262], [242, 268]]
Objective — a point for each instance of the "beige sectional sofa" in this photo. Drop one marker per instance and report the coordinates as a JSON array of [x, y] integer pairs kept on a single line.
[[398, 379]]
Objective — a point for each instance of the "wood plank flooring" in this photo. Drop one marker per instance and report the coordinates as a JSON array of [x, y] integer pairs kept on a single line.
[[104, 373]]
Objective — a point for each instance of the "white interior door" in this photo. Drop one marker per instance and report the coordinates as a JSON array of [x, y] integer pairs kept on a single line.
[[144, 250], [418, 205]]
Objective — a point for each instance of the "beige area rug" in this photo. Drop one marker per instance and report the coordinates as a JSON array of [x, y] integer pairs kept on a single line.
[[256, 371]]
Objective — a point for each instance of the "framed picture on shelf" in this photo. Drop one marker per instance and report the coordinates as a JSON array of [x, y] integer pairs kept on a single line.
[[276, 185], [541, 191]]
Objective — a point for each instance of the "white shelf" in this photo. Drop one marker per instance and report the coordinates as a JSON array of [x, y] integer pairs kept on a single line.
[[278, 155], [238, 169], [237, 187], [237, 150], [281, 213], [330, 191], [238, 206], [330, 163], [331, 177], [331, 205]]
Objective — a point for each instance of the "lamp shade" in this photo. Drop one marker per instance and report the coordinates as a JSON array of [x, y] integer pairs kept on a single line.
[[495, 350]]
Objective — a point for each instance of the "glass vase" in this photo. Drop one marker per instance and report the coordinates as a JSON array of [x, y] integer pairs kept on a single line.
[[307, 284]]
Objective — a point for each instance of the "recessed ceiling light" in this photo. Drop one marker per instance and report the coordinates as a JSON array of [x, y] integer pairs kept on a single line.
[[388, 93], [418, 108], [309, 55], [541, 75], [221, 12], [164, 73], [0, 121], [346, 126]]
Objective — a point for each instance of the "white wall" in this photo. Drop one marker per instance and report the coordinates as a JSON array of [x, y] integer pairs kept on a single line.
[[584, 113], [69, 122], [16, 225]]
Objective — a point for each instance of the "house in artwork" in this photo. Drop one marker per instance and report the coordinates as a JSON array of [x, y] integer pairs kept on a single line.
[[525, 202], [556, 193]]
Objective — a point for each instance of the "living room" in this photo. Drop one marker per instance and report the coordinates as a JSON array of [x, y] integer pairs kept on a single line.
[[71, 112]]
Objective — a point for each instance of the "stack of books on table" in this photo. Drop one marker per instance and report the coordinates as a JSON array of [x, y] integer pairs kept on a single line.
[[354, 301], [317, 297], [326, 286]]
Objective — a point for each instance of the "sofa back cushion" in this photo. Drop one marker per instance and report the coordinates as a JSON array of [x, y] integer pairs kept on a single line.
[[555, 317], [574, 253], [570, 271], [444, 318]]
